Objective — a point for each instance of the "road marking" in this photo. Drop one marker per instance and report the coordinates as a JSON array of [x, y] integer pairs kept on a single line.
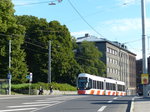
[[17, 96], [17, 109], [27, 106], [115, 98], [110, 101], [46, 107], [102, 108], [132, 105], [40, 102]]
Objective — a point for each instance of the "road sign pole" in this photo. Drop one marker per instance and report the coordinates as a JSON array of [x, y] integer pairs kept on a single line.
[[30, 80]]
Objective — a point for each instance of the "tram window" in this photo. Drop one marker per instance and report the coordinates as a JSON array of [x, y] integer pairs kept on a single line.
[[110, 86], [94, 84], [123, 88], [120, 88], [107, 86], [102, 85], [98, 85], [114, 87], [90, 84], [82, 81]]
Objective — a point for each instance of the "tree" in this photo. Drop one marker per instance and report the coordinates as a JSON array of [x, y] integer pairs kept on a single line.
[[36, 46], [9, 30], [88, 56], [65, 67], [38, 34]]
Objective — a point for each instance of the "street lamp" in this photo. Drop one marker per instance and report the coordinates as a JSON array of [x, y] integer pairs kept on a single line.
[[9, 73], [144, 45], [49, 62]]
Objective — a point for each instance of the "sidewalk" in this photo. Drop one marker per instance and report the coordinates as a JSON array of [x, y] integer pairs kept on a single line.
[[140, 104]]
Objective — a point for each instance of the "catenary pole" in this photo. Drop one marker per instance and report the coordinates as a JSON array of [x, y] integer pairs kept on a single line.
[[144, 43], [49, 63], [9, 74]]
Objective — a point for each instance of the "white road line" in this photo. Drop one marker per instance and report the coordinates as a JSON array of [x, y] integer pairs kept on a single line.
[[115, 98], [45, 107], [40, 102], [27, 106], [19, 96], [102, 108], [132, 105], [14, 110], [110, 101]]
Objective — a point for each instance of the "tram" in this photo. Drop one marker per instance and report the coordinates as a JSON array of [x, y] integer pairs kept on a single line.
[[95, 85]]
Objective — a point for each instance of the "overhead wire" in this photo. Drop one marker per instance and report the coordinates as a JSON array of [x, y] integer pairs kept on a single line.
[[34, 50], [84, 19], [35, 45], [33, 3], [24, 40]]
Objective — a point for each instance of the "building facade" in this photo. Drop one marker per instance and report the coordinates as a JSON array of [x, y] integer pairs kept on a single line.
[[120, 62]]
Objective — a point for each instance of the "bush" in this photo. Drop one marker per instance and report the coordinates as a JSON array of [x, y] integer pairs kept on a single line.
[[23, 88]]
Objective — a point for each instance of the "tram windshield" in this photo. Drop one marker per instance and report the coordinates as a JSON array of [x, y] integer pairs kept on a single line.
[[82, 82]]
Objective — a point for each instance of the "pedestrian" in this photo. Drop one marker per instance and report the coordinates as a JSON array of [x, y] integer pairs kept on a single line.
[[40, 90], [148, 93], [51, 89]]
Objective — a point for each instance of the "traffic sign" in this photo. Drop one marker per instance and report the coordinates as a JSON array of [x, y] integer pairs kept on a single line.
[[9, 75], [31, 77], [144, 78], [28, 77]]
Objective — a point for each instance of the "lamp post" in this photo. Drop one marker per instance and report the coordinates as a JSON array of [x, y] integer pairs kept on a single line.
[[49, 62], [144, 44], [9, 73]]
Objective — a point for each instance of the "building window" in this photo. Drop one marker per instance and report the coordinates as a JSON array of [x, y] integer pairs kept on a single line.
[[107, 59], [108, 70], [108, 49]]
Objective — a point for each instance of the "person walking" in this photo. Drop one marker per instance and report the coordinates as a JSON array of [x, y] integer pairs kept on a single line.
[[40, 90], [51, 89]]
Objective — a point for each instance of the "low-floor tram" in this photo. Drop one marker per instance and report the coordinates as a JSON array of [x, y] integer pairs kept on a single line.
[[95, 85]]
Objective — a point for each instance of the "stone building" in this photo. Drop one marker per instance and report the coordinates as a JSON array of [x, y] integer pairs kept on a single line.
[[119, 61]]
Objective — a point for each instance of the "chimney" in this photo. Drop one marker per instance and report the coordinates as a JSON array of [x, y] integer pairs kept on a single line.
[[87, 35]]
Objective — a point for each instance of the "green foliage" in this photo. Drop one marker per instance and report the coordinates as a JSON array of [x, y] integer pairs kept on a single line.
[[30, 36], [88, 56], [63, 62], [45, 86], [9, 30]]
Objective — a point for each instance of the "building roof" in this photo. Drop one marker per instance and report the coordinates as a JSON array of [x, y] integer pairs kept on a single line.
[[91, 38]]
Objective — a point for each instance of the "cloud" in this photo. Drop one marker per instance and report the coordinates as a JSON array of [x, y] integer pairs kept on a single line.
[[79, 34], [130, 2], [127, 2], [125, 25]]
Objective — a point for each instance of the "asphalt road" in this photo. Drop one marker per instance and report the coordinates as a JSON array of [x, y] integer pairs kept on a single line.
[[65, 103]]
